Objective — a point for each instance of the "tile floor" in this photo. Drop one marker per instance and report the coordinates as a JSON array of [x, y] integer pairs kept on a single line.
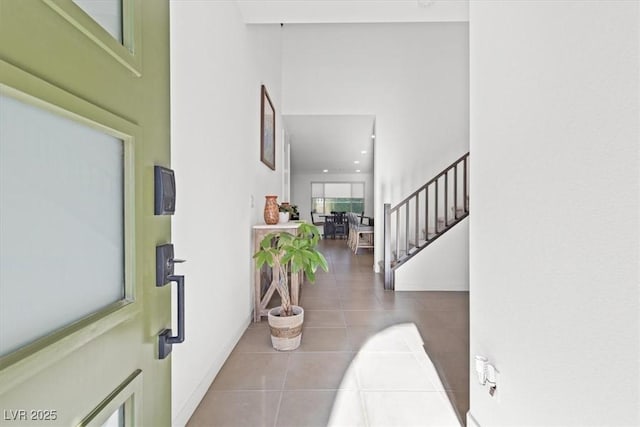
[[368, 358]]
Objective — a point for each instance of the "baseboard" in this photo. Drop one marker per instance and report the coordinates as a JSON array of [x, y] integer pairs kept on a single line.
[[471, 421], [182, 416]]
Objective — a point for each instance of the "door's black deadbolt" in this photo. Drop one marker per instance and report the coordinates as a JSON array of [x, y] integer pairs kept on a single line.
[[165, 191], [164, 275]]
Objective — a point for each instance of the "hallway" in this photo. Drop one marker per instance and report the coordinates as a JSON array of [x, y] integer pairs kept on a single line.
[[361, 361]]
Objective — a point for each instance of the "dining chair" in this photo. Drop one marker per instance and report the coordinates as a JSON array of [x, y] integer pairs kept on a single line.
[[314, 221], [340, 222], [329, 227], [361, 235], [352, 221]]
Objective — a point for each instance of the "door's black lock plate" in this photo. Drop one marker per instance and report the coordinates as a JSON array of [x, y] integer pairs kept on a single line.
[[164, 264], [165, 191]]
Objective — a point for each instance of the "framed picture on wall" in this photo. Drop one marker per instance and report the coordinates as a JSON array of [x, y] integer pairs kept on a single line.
[[267, 130]]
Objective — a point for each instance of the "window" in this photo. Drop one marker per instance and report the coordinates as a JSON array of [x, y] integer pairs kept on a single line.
[[337, 196], [62, 198], [107, 13]]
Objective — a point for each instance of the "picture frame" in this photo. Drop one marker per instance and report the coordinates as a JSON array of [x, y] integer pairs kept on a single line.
[[267, 130]]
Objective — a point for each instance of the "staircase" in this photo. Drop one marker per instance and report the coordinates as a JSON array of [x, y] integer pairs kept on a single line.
[[424, 216]]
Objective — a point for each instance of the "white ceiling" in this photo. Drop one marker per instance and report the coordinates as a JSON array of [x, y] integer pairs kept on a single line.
[[335, 142], [321, 142], [352, 11]]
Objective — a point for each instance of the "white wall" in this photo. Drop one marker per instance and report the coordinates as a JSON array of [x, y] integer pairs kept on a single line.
[[301, 189], [217, 66], [441, 262], [554, 230], [412, 77]]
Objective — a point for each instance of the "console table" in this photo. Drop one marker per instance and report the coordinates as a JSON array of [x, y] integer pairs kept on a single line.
[[260, 300]]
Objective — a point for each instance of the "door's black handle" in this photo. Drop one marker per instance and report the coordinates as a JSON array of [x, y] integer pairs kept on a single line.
[[165, 339]]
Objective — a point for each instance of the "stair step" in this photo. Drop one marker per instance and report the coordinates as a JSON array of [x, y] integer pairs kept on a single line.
[[421, 243]]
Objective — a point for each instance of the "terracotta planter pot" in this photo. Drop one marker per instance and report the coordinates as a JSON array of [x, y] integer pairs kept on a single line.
[[286, 332]]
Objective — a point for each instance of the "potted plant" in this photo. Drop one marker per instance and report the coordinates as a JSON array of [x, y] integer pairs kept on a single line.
[[287, 212], [293, 212], [284, 212], [288, 253]]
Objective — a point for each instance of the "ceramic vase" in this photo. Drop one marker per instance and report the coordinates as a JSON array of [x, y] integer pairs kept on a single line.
[[271, 211]]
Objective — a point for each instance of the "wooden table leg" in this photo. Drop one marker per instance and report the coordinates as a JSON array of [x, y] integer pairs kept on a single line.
[[257, 283]]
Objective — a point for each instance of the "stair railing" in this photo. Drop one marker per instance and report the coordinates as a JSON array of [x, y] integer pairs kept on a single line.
[[424, 216]]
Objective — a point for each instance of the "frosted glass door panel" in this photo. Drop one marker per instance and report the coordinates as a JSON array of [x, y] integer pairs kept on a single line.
[[61, 222], [116, 419], [107, 13]]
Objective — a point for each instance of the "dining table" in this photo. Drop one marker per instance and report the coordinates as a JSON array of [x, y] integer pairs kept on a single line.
[[330, 230], [369, 219]]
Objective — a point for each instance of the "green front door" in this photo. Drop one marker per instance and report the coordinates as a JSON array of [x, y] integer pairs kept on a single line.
[[84, 117]]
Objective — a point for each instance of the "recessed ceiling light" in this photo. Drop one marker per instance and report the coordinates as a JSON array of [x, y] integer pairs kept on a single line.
[[356, 162], [357, 170], [363, 152], [373, 137], [325, 170]]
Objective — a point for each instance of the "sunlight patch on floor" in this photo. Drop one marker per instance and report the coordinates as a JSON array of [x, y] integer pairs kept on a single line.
[[392, 382]]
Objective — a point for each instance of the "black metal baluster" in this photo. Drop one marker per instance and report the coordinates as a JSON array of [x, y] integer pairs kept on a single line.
[[446, 199], [417, 218], [426, 213], [455, 192], [406, 229], [436, 208], [466, 190], [398, 233]]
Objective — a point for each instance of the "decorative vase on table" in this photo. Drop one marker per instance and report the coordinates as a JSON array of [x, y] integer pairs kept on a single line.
[[271, 210]]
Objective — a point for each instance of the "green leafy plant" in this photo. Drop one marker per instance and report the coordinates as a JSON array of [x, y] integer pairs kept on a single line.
[[286, 207], [284, 252]]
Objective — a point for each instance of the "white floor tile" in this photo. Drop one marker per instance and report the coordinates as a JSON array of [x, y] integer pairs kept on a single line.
[[347, 410], [409, 409], [393, 371], [388, 341]]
